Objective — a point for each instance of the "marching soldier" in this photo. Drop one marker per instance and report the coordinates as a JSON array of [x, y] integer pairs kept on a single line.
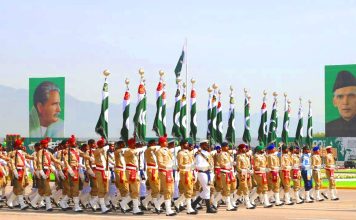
[[90, 167], [20, 179], [329, 170], [185, 160], [306, 173], [296, 174], [3, 171], [316, 166], [44, 160], [260, 166], [165, 168], [131, 160], [120, 176], [286, 166], [273, 173], [101, 173], [227, 175], [204, 164], [71, 173], [244, 175], [217, 179], [152, 176]]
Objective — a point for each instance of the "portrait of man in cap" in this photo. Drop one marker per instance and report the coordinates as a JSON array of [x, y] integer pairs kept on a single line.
[[45, 112], [344, 99]]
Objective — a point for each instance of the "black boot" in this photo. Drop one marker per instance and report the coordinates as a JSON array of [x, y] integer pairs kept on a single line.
[[208, 207], [196, 202]]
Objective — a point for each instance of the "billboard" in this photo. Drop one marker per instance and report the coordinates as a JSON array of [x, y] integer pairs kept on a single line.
[[46, 107], [340, 101]]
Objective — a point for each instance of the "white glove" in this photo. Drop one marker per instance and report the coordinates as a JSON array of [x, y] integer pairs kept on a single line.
[[91, 173], [16, 175], [92, 160], [43, 175], [70, 171], [61, 174]]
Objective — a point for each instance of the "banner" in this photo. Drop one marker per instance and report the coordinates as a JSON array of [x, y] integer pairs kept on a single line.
[[46, 107], [340, 101]]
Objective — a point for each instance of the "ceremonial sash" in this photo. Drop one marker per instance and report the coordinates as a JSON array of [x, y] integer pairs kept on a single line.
[[169, 177], [100, 168], [295, 173], [217, 173], [20, 169], [132, 172], [153, 169], [286, 175], [274, 176]]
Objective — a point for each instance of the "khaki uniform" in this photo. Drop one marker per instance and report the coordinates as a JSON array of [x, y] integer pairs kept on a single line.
[[227, 173], [260, 161], [316, 165], [329, 170], [18, 162], [91, 166], [273, 173], [44, 160], [3, 171], [295, 173], [101, 172], [243, 169], [71, 161], [120, 175], [165, 163], [186, 181], [131, 160], [152, 171], [286, 166], [217, 172], [61, 183]]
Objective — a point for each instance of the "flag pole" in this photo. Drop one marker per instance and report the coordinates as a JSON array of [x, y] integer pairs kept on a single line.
[[186, 82]]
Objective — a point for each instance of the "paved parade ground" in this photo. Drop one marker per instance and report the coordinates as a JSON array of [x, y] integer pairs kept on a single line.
[[345, 208]]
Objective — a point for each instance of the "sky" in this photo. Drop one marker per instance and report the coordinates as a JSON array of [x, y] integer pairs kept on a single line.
[[279, 46]]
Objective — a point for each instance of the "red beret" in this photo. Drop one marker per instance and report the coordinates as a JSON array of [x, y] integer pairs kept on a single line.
[[18, 143], [45, 141], [242, 146], [71, 140], [100, 142], [131, 141], [162, 139]]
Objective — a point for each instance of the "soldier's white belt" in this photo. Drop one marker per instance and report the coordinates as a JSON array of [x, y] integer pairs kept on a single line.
[[99, 168], [45, 167], [152, 167]]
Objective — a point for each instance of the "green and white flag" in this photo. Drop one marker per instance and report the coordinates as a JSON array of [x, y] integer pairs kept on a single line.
[[230, 134], [213, 119], [176, 114], [126, 116], [273, 123], [158, 126], [262, 130], [309, 138], [140, 114], [299, 133], [208, 135], [180, 63], [183, 116], [193, 115], [219, 123], [102, 125], [285, 131], [247, 136]]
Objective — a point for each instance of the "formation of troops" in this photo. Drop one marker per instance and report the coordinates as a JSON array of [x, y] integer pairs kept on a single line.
[[162, 176]]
